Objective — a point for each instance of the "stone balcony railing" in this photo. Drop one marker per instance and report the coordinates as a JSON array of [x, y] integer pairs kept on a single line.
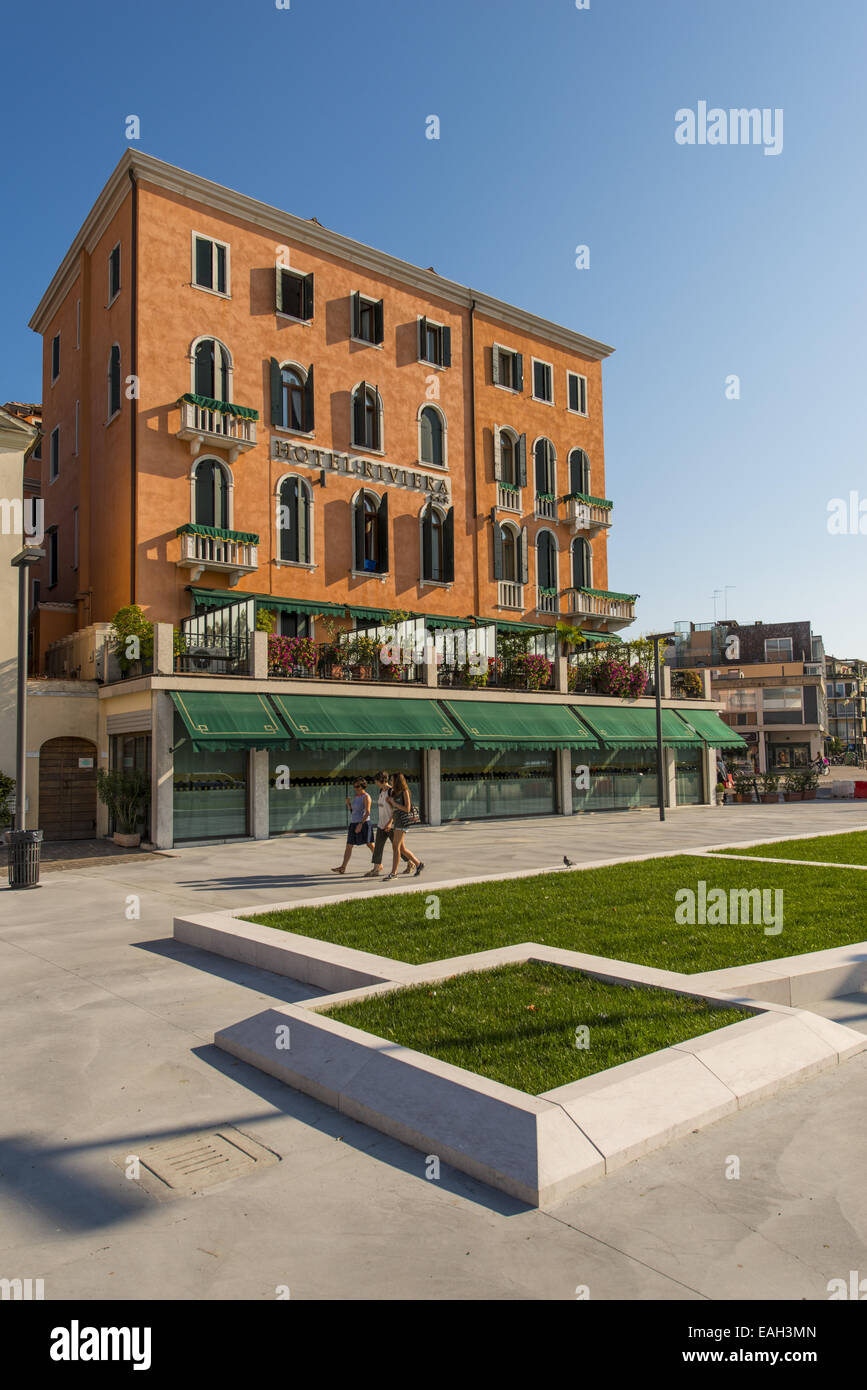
[[585, 513], [617, 610], [212, 548], [219, 424]]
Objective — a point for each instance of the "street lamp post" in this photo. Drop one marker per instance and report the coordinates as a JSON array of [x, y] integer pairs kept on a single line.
[[656, 638], [23, 844]]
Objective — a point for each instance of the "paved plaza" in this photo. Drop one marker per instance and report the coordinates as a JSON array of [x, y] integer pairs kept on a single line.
[[107, 1028]]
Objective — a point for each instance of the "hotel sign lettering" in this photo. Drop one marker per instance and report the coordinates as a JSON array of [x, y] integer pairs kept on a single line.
[[349, 465]]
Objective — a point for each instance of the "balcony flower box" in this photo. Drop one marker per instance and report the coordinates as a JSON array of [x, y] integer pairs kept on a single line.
[[291, 656]]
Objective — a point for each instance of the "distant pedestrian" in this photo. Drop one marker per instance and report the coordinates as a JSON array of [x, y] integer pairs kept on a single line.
[[385, 828], [401, 804], [359, 832]]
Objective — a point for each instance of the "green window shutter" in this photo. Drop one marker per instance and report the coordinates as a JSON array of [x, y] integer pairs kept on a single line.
[[303, 527], [422, 338], [356, 314], [382, 536], [205, 495], [221, 269], [379, 322], [376, 442], [309, 416], [498, 455], [447, 347], [307, 296], [278, 294], [519, 371], [204, 263], [524, 567], [495, 366], [427, 544], [276, 393], [358, 407], [449, 547], [498, 551], [522, 461], [358, 558]]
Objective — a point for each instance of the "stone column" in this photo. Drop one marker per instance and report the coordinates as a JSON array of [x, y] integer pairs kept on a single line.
[[260, 656], [162, 770], [709, 774], [665, 682], [563, 775], [164, 649], [670, 776], [706, 692], [431, 778], [259, 795], [561, 675]]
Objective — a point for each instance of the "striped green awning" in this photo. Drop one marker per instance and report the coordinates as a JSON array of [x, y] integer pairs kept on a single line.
[[634, 726], [222, 720], [490, 724], [711, 729], [345, 722]]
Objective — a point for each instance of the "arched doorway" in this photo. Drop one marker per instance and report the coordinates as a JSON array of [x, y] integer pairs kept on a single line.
[[67, 789]]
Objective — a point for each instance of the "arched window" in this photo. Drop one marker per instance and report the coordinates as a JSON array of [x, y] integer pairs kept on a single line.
[[546, 561], [510, 553], [582, 575], [579, 472], [294, 521], [432, 441], [212, 367], [366, 417], [507, 456], [370, 514], [437, 545], [211, 494], [546, 479], [113, 381], [293, 399]]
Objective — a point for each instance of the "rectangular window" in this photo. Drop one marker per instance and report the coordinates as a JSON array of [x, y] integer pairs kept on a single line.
[[507, 368], [75, 538], [210, 265], [54, 454], [75, 429], [782, 705], [577, 393], [434, 343], [543, 382], [778, 649], [55, 357], [295, 294], [52, 558], [114, 274], [367, 319]]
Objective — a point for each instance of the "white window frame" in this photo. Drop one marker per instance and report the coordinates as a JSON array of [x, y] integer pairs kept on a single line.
[[513, 352], [442, 513], [548, 440], [363, 342], [507, 524], [360, 449], [778, 657], [309, 564], [539, 361], [581, 540], [55, 339], [54, 454], [114, 414], [289, 429], [299, 274], [432, 405], [578, 377], [211, 338], [113, 297], [579, 449], [431, 323], [230, 500], [215, 242], [382, 575], [546, 531]]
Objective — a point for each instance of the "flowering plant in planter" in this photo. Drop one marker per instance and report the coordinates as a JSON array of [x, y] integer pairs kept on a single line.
[[289, 656], [536, 670], [619, 678]]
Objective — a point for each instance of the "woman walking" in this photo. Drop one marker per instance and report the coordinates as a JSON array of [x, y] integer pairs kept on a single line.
[[359, 823], [385, 829], [401, 805]]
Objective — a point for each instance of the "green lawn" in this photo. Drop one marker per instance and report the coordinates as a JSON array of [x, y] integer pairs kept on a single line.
[[517, 1024], [833, 849], [626, 911]]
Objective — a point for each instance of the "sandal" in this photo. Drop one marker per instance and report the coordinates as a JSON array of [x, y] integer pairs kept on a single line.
[[373, 873], [409, 868], [338, 871], [387, 877], [419, 868]]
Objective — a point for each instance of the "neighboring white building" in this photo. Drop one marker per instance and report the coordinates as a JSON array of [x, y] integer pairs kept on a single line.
[[16, 437]]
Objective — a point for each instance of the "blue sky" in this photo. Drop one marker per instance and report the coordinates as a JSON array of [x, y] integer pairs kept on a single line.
[[557, 129]]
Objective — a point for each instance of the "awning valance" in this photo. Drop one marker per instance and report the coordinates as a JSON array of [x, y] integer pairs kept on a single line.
[[713, 730], [221, 720], [490, 724], [218, 533], [634, 726], [344, 722], [243, 412]]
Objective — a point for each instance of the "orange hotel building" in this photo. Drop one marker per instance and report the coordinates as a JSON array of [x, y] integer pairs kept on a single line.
[[241, 404]]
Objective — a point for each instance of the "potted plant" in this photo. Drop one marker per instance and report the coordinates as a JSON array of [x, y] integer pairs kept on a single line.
[[743, 786], [720, 793], [792, 789], [809, 782], [770, 785], [7, 799], [132, 640], [127, 796]]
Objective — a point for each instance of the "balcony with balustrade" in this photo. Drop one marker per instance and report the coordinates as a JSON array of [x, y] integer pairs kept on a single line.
[[584, 513], [599, 605], [213, 548], [217, 424]]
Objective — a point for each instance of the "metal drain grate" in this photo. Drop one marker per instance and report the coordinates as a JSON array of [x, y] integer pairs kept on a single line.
[[191, 1162]]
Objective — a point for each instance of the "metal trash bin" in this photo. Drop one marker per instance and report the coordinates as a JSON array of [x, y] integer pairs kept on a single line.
[[23, 846]]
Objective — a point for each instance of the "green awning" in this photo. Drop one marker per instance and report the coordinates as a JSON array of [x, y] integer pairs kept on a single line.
[[713, 730], [605, 593], [634, 726], [214, 598], [217, 533], [434, 623], [243, 412], [489, 724], [344, 722], [222, 720]]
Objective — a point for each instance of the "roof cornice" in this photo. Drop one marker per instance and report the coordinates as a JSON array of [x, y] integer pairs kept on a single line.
[[251, 210]]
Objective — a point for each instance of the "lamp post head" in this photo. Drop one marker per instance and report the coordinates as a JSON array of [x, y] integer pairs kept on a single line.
[[30, 555]]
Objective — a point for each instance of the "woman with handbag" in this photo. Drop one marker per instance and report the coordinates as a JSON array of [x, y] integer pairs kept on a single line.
[[405, 815], [360, 828]]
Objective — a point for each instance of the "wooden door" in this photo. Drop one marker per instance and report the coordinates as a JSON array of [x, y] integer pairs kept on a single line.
[[67, 789]]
